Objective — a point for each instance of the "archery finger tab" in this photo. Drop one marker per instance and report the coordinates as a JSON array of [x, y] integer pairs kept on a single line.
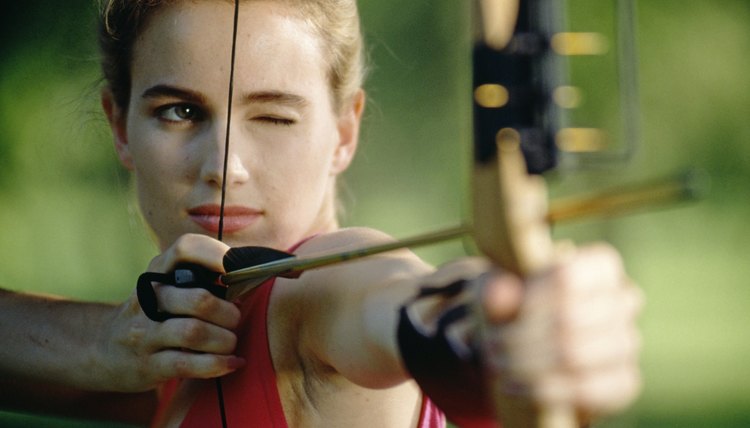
[[185, 276]]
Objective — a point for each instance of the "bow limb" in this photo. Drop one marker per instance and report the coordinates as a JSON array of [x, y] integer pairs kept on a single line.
[[510, 210], [509, 216], [510, 205], [498, 19]]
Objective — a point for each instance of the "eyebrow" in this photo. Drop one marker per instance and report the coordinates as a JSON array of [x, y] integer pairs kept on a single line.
[[277, 97], [158, 91]]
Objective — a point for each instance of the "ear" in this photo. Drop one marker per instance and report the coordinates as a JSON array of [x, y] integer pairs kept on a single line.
[[117, 122], [348, 129]]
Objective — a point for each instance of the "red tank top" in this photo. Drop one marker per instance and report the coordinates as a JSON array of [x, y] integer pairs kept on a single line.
[[250, 395]]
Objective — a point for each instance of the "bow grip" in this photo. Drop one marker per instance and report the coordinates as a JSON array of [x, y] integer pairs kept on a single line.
[[184, 276]]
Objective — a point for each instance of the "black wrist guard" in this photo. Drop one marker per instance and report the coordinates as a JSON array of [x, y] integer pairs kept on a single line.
[[445, 365]]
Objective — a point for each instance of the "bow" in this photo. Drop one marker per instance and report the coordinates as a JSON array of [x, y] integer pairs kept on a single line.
[[517, 69], [511, 114], [519, 112]]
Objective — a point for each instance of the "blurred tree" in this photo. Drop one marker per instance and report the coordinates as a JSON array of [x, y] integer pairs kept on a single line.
[[68, 226]]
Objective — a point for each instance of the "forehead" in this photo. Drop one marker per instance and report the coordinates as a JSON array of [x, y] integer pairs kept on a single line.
[[189, 43]]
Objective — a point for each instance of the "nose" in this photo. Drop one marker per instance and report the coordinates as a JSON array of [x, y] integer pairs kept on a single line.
[[216, 161]]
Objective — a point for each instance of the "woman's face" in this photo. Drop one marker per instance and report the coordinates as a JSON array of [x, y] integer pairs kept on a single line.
[[286, 143]]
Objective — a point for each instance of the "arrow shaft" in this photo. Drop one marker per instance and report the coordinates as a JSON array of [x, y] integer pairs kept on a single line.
[[610, 203]]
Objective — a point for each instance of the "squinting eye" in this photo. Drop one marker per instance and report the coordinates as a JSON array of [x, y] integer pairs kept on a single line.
[[180, 113], [277, 120]]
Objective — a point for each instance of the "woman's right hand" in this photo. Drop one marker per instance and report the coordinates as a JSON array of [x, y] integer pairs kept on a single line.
[[135, 353]]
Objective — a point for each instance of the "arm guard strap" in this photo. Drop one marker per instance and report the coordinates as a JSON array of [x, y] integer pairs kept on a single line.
[[445, 365]]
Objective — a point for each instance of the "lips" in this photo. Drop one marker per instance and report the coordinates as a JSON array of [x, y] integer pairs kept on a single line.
[[236, 217]]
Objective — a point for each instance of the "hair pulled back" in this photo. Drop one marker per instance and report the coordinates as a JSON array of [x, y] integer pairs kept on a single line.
[[336, 22]]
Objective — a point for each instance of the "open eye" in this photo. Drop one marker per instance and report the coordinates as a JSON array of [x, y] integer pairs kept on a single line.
[[178, 113]]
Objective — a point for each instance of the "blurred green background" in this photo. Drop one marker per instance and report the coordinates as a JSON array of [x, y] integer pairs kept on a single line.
[[69, 226]]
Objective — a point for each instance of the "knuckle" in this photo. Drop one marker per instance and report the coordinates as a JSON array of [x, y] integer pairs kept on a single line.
[[192, 332], [204, 303], [604, 255], [228, 344], [612, 260], [234, 316], [565, 283], [605, 251], [132, 308], [183, 247], [134, 336], [182, 367]]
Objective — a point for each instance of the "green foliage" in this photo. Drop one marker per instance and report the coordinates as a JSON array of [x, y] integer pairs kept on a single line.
[[68, 226]]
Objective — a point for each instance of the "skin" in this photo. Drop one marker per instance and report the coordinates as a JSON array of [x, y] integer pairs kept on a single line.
[[283, 161], [287, 145]]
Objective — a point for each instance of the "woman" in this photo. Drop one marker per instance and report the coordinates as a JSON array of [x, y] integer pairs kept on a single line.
[[320, 350]]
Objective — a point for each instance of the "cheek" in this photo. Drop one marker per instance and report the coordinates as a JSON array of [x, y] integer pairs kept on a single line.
[[158, 154], [159, 166], [303, 156], [294, 178], [312, 172], [297, 179]]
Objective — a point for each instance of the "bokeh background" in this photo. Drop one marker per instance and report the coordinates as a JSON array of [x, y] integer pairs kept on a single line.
[[68, 223]]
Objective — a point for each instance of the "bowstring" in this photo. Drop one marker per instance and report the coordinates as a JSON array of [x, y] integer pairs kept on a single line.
[[220, 236]]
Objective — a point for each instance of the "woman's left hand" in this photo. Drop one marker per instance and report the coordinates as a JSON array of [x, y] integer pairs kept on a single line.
[[566, 336]]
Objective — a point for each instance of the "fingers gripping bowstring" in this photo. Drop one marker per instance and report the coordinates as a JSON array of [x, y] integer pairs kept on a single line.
[[220, 236]]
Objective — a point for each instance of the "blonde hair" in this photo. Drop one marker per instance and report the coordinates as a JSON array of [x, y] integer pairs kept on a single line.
[[336, 22]]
